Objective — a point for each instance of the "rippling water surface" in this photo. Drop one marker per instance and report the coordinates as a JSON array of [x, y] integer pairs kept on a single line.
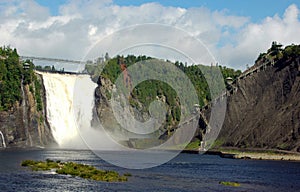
[[187, 172]]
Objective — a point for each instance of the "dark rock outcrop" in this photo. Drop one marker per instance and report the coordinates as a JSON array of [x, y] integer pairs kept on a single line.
[[265, 110], [24, 125], [104, 114]]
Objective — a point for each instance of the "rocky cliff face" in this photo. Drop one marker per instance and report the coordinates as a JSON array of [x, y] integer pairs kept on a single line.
[[102, 105], [24, 125], [263, 106], [264, 112], [105, 114]]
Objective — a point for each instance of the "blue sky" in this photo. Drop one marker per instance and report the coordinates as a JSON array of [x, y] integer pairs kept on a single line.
[[255, 9], [234, 31]]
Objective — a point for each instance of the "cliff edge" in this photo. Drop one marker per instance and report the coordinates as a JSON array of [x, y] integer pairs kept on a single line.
[[264, 110]]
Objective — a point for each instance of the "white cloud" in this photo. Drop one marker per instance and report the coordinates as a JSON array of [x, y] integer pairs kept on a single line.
[[92, 30], [234, 40], [257, 37]]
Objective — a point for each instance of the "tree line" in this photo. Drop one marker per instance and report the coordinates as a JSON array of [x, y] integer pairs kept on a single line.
[[148, 91], [13, 73]]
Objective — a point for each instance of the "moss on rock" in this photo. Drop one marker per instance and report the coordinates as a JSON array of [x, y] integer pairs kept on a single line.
[[75, 169]]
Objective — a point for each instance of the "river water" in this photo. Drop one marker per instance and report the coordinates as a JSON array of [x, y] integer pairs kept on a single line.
[[187, 172]]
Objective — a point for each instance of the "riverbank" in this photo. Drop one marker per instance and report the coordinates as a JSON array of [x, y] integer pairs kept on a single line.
[[256, 154], [186, 172]]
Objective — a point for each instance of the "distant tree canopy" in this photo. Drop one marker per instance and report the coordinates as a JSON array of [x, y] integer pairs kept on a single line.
[[12, 74], [291, 51], [149, 90], [276, 52], [10, 78]]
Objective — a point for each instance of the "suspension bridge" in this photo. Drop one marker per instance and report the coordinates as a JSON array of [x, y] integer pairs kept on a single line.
[[32, 58]]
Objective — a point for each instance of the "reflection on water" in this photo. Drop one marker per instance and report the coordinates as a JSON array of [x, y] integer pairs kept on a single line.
[[187, 172]]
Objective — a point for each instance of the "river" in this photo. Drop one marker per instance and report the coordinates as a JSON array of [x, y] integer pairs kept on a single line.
[[187, 172]]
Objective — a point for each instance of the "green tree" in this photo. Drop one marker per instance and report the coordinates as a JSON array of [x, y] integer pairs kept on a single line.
[[12, 74]]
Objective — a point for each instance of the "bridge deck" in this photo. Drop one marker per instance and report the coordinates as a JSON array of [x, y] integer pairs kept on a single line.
[[60, 72], [52, 59]]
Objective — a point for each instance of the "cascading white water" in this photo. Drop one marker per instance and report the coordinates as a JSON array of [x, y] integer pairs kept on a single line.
[[60, 107], [3, 141]]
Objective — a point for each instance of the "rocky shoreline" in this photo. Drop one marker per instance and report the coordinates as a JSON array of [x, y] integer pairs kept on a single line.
[[257, 154], [261, 156]]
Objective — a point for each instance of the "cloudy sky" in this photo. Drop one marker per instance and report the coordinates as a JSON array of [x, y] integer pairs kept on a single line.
[[234, 31]]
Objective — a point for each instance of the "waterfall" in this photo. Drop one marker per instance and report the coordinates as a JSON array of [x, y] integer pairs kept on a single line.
[[3, 141], [60, 107]]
